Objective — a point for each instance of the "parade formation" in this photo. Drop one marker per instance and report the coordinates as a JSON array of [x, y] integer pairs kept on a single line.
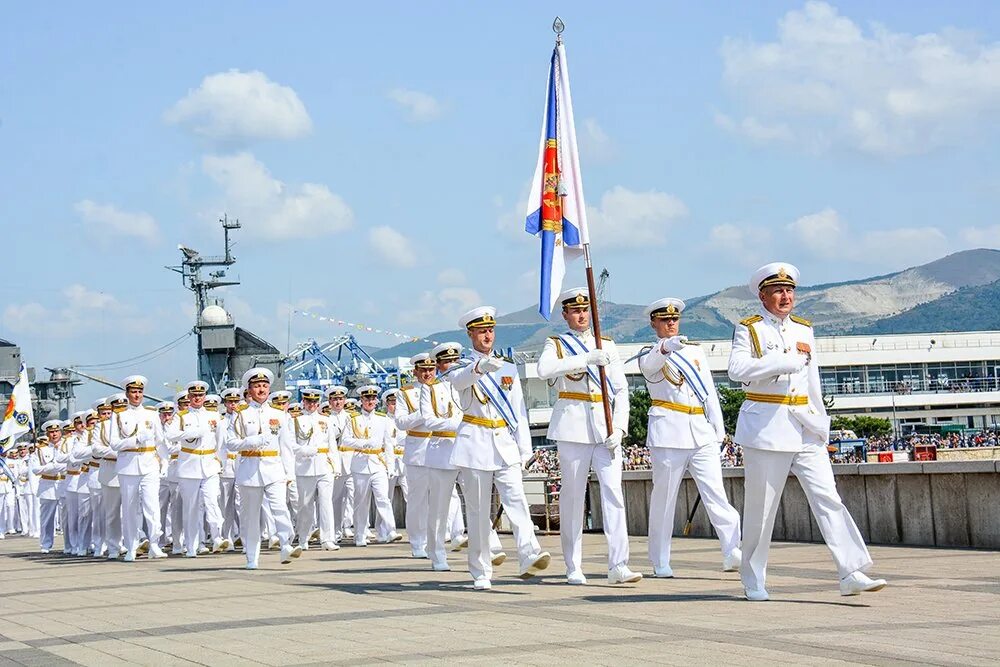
[[250, 470]]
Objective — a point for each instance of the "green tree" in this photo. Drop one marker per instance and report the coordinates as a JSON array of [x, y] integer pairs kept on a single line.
[[637, 416], [862, 425], [731, 400]]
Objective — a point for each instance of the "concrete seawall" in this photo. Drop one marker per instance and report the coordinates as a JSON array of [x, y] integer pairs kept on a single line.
[[941, 503]]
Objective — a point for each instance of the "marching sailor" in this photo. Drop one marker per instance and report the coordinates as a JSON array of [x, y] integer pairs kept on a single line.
[[492, 445], [343, 485], [369, 437], [44, 464], [685, 432], [135, 437], [570, 361], [93, 465], [411, 423], [193, 438], [111, 495], [783, 426], [317, 463], [262, 436], [397, 473], [229, 499]]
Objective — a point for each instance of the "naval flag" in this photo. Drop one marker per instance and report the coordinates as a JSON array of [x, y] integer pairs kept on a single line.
[[556, 210], [19, 417]]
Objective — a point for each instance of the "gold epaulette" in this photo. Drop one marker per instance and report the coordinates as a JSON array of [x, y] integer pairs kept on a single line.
[[379, 412], [750, 320], [691, 342], [149, 407], [182, 413], [607, 338], [241, 408], [754, 340], [800, 320], [409, 386]]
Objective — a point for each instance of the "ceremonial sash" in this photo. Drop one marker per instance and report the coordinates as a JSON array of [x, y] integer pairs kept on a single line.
[[575, 346], [682, 365], [495, 395]]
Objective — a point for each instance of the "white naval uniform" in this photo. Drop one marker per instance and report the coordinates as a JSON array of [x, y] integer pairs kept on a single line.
[[78, 494], [317, 463], [343, 486], [137, 439], [262, 436], [579, 429], [489, 454], [29, 498], [683, 433], [229, 493], [442, 416], [397, 473], [111, 494], [784, 427], [8, 502], [416, 437], [45, 465], [94, 486], [369, 437], [193, 437]]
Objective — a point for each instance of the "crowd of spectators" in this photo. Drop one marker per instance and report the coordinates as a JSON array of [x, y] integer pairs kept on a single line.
[[634, 457], [946, 441]]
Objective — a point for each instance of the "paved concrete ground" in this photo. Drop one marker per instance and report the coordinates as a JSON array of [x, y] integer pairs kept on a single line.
[[373, 605]]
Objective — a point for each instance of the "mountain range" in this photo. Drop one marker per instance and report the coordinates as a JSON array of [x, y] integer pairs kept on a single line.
[[959, 292]]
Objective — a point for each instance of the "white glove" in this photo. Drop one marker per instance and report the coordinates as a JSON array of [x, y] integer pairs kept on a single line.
[[489, 364], [614, 440], [144, 437], [672, 344], [794, 362], [256, 441], [305, 452], [598, 358]]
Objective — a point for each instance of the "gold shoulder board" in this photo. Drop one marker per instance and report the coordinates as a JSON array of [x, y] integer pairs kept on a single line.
[[800, 320], [750, 320]]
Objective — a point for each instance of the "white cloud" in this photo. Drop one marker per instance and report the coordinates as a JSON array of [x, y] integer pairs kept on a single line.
[[237, 106], [82, 311], [272, 209], [419, 107], [629, 219], [981, 237], [451, 278], [740, 243], [826, 235], [827, 81], [821, 233], [392, 247], [439, 309], [595, 144], [109, 223]]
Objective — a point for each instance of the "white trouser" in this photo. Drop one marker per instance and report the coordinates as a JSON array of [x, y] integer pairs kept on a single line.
[[140, 492], [24, 504], [478, 486], [575, 460], [83, 519], [267, 518], [71, 503], [442, 487], [96, 520], [394, 481], [170, 530], [292, 500], [35, 515], [47, 510], [669, 465], [418, 506], [313, 492], [197, 495], [111, 501], [367, 485], [229, 498], [343, 503], [252, 499], [456, 521], [7, 507], [765, 475]]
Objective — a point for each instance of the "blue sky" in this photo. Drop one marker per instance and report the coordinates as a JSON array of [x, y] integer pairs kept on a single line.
[[379, 161]]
